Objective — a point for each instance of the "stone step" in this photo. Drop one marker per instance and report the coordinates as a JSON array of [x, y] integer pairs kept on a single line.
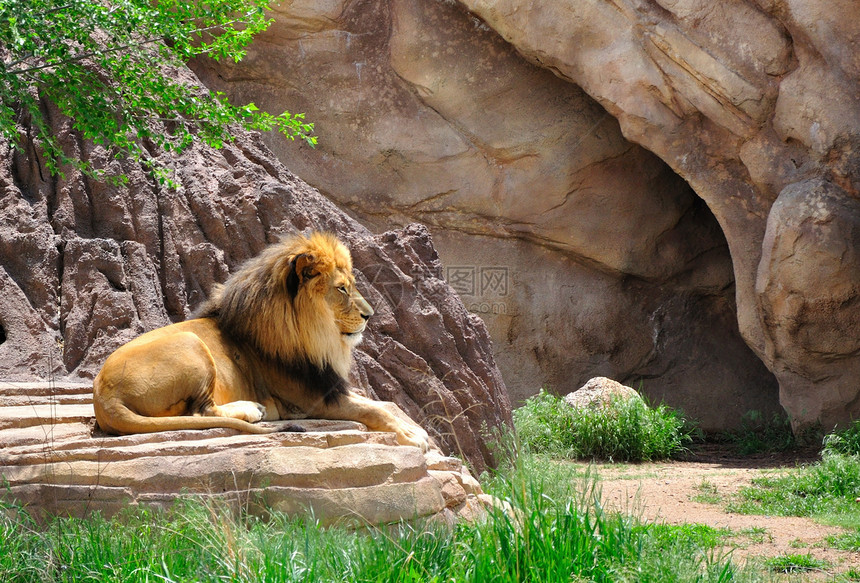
[[54, 459], [30, 415], [15, 394], [44, 388]]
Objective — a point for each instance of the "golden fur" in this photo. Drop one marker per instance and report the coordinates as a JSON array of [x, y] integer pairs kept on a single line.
[[275, 338]]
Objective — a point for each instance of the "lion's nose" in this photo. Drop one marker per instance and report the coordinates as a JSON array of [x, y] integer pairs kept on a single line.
[[366, 316]]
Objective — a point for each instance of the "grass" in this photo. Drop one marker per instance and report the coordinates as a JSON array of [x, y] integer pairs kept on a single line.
[[627, 430], [558, 531], [827, 488], [846, 541], [708, 493], [759, 433], [845, 442], [755, 534], [795, 563], [696, 536]]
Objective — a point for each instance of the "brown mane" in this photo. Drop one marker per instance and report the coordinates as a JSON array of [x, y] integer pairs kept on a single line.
[[263, 305]]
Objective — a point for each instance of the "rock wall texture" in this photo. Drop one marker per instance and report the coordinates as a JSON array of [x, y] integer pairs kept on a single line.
[[597, 175], [756, 104], [87, 266]]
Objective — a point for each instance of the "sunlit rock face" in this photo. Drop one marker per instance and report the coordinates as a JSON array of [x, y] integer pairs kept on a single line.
[[757, 106], [584, 252]]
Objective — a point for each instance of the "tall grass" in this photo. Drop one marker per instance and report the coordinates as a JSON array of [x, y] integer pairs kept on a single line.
[[627, 430], [846, 441], [562, 537]]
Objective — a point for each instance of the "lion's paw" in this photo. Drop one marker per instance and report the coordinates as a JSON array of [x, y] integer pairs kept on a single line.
[[413, 435], [245, 410]]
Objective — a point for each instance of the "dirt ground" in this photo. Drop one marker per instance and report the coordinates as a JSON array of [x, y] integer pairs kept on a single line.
[[696, 490]]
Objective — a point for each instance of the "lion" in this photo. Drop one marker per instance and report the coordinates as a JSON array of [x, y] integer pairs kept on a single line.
[[275, 338]]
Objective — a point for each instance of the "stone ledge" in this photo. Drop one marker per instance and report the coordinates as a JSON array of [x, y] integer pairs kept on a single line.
[[54, 461]]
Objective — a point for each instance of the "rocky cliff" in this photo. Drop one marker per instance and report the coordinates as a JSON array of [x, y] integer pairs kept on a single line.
[[86, 266], [662, 191]]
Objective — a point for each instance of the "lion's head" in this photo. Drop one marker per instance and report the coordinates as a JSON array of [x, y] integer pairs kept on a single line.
[[295, 303]]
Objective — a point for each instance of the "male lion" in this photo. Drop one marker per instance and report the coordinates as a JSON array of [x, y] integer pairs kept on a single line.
[[276, 337]]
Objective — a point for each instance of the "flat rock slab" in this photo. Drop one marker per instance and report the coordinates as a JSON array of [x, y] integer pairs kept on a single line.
[[55, 461]]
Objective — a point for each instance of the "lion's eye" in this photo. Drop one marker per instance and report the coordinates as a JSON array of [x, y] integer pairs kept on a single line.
[[342, 289]]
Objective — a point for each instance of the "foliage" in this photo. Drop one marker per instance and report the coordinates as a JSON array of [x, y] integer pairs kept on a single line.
[[694, 536], [795, 563], [626, 430], [541, 538], [846, 441], [111, 68], [827, 487], [759, 433], [846, 541]]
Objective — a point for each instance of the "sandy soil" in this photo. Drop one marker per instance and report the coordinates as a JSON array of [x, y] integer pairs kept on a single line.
[[696, 490]]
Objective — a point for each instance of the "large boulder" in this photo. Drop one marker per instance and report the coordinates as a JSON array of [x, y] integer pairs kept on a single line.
[[584, 253], [479, 122], [53, 462], [87, 266]]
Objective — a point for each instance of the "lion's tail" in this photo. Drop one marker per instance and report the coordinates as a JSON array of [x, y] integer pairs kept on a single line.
[[125, 421]]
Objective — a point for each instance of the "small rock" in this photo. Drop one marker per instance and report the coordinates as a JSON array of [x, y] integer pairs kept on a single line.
[[599, 392]]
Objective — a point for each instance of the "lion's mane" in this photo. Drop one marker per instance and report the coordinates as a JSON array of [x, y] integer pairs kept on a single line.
[[283, 315]]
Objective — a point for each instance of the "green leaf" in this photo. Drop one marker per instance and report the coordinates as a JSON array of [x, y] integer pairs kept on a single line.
[[107, 67]]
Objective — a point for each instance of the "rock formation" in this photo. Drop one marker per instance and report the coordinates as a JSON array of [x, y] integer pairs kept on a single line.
[[507, 126], [86, 266], [52, 462], [598, 393]]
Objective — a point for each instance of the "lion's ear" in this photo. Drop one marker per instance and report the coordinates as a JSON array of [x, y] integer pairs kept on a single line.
[[302, 268], [306, 267]]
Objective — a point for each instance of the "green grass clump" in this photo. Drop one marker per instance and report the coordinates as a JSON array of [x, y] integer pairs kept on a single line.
[[695, 537], [759, 433], [828, 487], [846, 541], [628, 430], [795, 563], [846, 441], [708, 493]]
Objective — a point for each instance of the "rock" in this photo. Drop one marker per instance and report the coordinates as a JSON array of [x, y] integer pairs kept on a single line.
[[584, 253], [88, 266], [54, 462], [808, 285], [743, 101], [599, 392]]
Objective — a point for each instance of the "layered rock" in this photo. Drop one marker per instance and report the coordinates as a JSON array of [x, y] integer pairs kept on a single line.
[[87, 266], [584, 253], [53, 462]]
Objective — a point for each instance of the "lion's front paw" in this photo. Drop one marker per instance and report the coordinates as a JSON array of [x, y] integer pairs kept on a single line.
[[245, 410], [413, 435]]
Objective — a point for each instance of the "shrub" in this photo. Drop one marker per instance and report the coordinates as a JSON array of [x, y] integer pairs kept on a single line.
[[627, 430], [846, 441], [759, 433]]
